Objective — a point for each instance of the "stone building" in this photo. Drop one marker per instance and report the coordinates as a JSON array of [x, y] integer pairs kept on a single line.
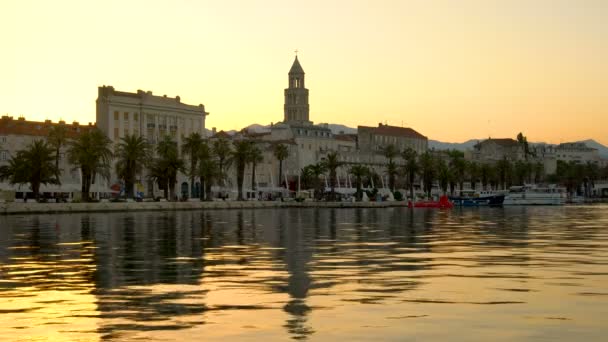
[[374, 139], [142, 113], [17, 134], [493, 150]]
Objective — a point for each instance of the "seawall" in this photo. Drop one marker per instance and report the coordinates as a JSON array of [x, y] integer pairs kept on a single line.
[[50, 208]]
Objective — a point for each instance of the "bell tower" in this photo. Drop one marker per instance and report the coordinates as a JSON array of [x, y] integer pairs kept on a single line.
[[296, 106]]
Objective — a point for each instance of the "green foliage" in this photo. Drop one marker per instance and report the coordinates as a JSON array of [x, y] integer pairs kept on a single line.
[[359, 172], [241, 155], [331, 163], [57, 138], [132, 154], [398, 196], [281, 152], [165, 167], [90, 152], [190, 147], [33, 165]]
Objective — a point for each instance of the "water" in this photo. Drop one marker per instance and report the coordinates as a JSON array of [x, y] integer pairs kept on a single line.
[[537, 273]]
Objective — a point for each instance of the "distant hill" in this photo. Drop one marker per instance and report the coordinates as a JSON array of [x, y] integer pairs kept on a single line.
[[439, 145], [601, 149]]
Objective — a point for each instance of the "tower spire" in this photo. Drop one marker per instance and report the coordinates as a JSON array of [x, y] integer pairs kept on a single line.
[[296, 108]]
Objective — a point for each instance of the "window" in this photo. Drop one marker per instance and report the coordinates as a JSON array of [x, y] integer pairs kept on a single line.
[[126, 116], [116, 132], [4, 155], [135, 117], [3, 139], [116, 115]]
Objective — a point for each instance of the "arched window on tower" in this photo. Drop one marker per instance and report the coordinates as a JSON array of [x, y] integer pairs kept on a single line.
[[297, 83]]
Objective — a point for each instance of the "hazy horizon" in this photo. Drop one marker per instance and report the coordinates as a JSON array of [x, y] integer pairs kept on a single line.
[[451, 70]]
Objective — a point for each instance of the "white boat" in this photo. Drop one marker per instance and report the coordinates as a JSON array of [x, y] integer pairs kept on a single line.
[[534, 195]]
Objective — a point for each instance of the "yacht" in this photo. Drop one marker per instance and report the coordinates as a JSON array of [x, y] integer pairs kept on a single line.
[[535, 195]]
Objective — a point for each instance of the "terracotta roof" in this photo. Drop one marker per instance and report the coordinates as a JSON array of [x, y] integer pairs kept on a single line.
[[346, 137], [9, 126], [504, 142], [222, 134], [393, 131]]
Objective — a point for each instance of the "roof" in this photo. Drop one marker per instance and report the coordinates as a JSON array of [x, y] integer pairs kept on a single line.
[[34, 128], [393, 131], [222, 135], [507, 142], [296, 68], [346, 137]]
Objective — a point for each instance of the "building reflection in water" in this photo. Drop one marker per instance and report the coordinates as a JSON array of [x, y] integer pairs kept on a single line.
[[176, 275]]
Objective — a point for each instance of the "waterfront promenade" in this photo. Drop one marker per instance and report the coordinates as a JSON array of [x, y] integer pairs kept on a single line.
[[38, 208]]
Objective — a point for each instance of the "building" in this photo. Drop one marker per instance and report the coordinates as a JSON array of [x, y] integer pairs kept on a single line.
[[577, 152], [374, 139], [151, 116], [493, 150], [16, 134]]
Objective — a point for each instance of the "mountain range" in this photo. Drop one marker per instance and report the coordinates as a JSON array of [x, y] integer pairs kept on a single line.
[[433, 144]]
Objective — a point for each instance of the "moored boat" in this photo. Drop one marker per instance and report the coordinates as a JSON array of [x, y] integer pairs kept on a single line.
[[443, 203], [534, 195], [472, 198]]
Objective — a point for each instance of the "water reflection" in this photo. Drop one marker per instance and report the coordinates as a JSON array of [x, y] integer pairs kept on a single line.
[[331, 274]]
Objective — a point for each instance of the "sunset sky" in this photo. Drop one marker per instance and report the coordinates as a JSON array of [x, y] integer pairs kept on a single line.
[[453, 70]]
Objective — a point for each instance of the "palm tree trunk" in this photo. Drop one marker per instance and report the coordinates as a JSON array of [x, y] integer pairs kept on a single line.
[[239, 181]]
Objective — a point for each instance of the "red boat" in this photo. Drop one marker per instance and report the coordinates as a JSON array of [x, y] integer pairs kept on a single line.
[[443, 203]]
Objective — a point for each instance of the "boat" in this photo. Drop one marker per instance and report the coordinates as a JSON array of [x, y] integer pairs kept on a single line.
[[472, 198], [535, 195], [443, 203]]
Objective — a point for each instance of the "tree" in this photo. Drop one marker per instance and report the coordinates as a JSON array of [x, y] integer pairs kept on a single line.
[[190, 147], [167, 165], [208, 170], [332, 163], [520, 169], [316, 170], [390, 152], [427, 172], [92, 154], [444, 176], [474, 172], [359, 172], [523, 141], [241, 156], [132, 154], [486, 174], [222, 151], [33, 165], [539, 172], [281, 153], [504, 170], [58, 137], [411, 167], [458, 168], [255, 157]]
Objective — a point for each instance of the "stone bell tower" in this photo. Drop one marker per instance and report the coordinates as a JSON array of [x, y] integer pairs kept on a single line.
[[296, 106]]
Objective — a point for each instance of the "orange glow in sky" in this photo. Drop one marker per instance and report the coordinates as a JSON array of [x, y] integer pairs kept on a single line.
[[453, 70]]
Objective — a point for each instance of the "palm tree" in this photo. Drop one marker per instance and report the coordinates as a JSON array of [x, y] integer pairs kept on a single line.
[[411, 167], [444, 175], [191, 147], [390, 152], [503, 170], [92, 154], [458, 167], [222, 151], [307, 177], [255, 157], [486, 172], [474, 171], [427, 172], [316, 170], [332, 163], [539, 171], [33, 165], [132, 154], [241, 156], [359, 171], [169, 159], [58, 137], [281, 152], [208, 170]]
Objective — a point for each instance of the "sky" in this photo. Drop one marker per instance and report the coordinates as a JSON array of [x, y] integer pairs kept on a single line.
[[452, 70]]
